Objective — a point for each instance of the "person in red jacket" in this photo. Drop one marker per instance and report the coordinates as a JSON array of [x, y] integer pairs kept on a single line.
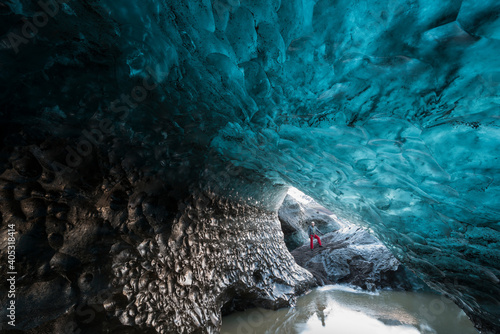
[[313, 233]]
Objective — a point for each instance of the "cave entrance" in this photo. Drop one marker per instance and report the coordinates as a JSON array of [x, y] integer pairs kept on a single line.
[[297, 212], [350, 254]]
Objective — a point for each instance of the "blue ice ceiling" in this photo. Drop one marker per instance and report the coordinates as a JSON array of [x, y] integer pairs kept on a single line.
[[386, 111]]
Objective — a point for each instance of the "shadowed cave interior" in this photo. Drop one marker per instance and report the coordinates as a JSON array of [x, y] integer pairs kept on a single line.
[[147, 146]]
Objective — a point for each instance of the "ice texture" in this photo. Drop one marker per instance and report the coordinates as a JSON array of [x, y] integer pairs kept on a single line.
[[385, 112]]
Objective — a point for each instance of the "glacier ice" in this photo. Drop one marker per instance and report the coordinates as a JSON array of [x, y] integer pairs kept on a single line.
[[386, 112]]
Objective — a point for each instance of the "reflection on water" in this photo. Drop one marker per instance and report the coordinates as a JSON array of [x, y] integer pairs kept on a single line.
[[342, 310]]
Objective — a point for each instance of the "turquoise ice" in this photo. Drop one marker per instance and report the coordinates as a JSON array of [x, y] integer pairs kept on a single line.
[[386, 112]]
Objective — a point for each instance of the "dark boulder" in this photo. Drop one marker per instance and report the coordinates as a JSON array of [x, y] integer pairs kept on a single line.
[[353, 256]]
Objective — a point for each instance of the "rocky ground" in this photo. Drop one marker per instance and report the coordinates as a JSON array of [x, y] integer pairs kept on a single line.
[[352, 255]]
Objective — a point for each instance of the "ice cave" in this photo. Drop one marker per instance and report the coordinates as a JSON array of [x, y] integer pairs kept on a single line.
[[147, 146]]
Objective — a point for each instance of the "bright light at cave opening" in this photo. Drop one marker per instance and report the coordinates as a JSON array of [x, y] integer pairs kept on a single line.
[[299, 195], [306, 200]]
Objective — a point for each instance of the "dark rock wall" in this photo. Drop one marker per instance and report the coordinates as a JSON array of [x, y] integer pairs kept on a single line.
[[218, 254], [109, 249]]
